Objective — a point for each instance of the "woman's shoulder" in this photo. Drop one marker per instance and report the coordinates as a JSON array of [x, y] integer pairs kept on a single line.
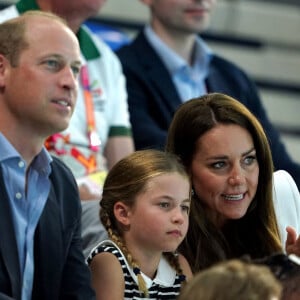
[[284, 187]]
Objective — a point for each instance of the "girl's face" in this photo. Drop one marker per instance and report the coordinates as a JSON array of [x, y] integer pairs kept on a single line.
[[225, 172], [158, 222]]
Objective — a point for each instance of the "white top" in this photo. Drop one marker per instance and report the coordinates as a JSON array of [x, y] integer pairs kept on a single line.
[[286, 203]]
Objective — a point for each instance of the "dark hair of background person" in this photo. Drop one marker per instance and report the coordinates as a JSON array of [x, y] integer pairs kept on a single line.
[[286, 269]]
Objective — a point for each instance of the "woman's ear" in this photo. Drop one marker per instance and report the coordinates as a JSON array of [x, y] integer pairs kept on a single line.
[[122, 213]]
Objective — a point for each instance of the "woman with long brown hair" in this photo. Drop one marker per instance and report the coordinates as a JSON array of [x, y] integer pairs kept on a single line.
[[227, 154]]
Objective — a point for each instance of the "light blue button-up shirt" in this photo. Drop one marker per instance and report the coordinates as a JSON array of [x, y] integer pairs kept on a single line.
[[188, 80], [27, 202]]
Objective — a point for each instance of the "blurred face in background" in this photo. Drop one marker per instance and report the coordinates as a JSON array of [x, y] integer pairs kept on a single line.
[[73, 8], [185, 16]]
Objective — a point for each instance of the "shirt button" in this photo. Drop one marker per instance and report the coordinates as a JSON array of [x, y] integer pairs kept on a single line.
[[18, 195], [21, 164]]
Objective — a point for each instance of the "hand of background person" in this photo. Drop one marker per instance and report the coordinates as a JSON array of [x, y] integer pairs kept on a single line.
[[292, 244]]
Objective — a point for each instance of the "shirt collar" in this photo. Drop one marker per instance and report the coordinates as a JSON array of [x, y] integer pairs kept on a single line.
[[172, 61], [165, 274], [7, 150], [41, 162]]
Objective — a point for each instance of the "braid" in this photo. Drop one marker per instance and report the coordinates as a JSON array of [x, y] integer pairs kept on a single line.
[[114, 235], [141, 282], [131, 261]]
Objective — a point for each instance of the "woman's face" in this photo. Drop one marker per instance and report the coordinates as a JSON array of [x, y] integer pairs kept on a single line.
[[225, 172]]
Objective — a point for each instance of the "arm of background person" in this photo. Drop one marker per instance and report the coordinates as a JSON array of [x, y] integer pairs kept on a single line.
[[116, 148]]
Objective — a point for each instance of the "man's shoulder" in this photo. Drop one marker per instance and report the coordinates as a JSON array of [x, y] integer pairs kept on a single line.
[[139, 54], [138, 47], [223, 63], [60, 171], [95, 40], [98, 53], [224, 68], [64, 184]]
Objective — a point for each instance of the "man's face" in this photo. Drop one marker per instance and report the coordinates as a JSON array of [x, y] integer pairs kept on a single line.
[[40, 93], [84, 8], [186, 16]]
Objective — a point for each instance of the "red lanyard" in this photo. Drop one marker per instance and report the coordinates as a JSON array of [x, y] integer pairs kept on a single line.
[[94, 140]]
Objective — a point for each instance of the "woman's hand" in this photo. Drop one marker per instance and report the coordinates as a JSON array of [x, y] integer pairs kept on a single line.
[[292, 244]]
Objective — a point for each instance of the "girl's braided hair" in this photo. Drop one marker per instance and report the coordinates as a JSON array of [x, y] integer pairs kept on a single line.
[[127, 179]]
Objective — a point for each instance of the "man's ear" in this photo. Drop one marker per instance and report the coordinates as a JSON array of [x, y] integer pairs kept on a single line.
[[3, 67], [122, 213]]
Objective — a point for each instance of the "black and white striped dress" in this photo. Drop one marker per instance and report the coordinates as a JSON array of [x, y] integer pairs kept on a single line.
[[165, 286]]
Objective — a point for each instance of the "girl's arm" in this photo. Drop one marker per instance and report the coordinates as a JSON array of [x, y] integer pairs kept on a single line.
[[107, 277]]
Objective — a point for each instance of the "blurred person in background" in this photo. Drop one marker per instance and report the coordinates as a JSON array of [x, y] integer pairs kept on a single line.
[[286, 269], [233, 280], [169, 63]]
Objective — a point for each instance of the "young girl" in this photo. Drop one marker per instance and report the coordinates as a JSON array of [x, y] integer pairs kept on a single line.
[[145, 208]]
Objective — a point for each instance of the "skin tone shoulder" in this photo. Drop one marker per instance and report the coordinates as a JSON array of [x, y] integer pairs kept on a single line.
[[157, 222], [39, 94]]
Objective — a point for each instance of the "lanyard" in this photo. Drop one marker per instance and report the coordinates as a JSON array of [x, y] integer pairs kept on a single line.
[[94, 140]]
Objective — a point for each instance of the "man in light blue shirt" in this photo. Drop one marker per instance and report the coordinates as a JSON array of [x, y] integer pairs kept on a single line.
[[187, 78], [40, 245], [26, 202]]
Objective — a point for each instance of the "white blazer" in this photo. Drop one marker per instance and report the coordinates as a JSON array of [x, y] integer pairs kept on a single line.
[[286, 199]]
